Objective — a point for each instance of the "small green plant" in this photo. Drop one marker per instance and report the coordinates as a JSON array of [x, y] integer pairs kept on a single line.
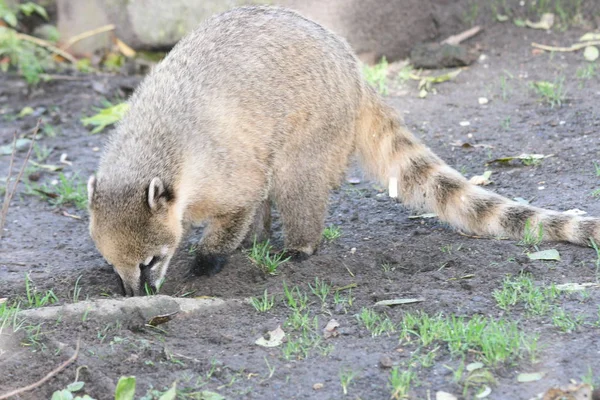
[[321, 289], [28, 59], [521, 289], [506, 124], [107, 116], [532, 235], [10, 14], [262, 256], [332, 232], [400, 382], [295, 299], [494, 341], [68, 190], [375, 323], [552, 93], [36, 299], [376, 76], [263, 303], [505, 87], [346, 377], [564, 321]]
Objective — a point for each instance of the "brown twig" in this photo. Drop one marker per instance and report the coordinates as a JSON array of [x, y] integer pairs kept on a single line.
[[87, 34], [49, 46], [10, 191], [461, 37], [51, 374], [575, 47]]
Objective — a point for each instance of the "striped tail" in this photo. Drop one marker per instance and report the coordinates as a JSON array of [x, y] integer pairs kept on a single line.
[[421, 180]]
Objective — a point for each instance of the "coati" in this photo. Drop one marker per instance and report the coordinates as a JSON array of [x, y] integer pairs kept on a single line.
[[260, 104]]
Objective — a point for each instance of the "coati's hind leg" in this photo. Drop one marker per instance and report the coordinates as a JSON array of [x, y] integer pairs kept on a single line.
[[222, 235], [302, 201], [260, 229]]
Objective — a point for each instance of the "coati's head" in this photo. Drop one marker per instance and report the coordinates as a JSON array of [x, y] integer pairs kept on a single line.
[[136, 229]]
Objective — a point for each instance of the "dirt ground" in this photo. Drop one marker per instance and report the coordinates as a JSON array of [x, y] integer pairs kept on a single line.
[[381, 250]]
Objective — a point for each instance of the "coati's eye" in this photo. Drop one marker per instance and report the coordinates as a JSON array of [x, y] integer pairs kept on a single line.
[[149, 263]]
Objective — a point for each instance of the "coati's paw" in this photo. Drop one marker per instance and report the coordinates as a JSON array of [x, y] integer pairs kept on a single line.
[[208, 264]]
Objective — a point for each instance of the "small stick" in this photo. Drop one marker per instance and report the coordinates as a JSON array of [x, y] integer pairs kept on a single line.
[[51, 374], [10, 191], [87, 34], [47, 45], [575, 47], [461, 37]]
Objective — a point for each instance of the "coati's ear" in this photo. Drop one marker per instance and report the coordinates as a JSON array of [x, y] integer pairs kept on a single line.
[[91, 188], [157, 194]]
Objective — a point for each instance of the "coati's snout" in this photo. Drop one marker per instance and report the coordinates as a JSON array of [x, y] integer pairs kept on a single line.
[[139, 235]]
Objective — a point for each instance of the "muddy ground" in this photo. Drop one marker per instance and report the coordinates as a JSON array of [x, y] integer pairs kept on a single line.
[[381, 250]]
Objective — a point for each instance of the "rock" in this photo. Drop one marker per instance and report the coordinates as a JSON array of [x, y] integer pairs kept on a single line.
[[385, 362], [437, 56], [374, 28]]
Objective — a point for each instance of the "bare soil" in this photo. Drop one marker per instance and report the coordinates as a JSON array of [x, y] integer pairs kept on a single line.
[[455, 274]]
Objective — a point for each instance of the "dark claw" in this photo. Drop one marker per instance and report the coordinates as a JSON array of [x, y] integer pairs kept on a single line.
[[208, 264]]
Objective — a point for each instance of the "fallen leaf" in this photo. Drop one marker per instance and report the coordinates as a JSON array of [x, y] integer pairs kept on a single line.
[[590, 36], [206, 395], [63, 159], [468, 145], [161, 319], [25, 112], [481, 180], [473, 366], [572, 392], [426, 215], [545, 22], [523, 157], [574, 287], [530, 377], [318, 386], [521, 200], [274, 338], [66, 214], [575, 211], [591, 53], [21, 144], [551, 254], [330, 329], [445, 396], [485, 393], [49, 167], [394, 302]]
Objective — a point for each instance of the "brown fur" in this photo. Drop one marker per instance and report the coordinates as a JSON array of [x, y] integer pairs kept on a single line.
[[261, 105]]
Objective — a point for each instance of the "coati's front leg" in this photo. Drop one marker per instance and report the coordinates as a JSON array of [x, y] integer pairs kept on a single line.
[[222, 235]]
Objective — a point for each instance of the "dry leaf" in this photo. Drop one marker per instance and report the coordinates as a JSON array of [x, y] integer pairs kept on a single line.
[[574, 287], [318, 386], [273, 338], [445, 396], [330, 329], [162, 319], [551, 254], [545, 22], [530, 377], [591, 53], [394, 302], [572, 392], [590, 36], [481, 180]]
